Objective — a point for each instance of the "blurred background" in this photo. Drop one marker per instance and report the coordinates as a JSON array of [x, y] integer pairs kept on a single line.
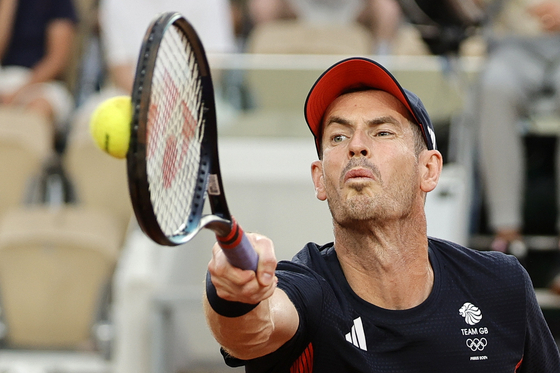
[[83, 290]]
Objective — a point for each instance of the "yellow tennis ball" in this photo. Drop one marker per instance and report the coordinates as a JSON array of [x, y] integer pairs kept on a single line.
[[110, 125]]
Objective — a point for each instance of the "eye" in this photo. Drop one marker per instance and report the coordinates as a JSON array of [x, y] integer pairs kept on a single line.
[[338, 138], [383, 133]]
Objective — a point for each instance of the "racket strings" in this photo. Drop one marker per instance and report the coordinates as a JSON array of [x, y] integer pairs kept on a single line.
[[175, 122]]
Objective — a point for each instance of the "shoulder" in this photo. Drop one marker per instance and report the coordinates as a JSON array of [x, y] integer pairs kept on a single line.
[[453, 253], [311, 259], [485, 269], [309, 279], [308, 266]]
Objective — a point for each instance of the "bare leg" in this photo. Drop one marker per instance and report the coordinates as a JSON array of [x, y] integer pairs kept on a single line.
[[383, 18]]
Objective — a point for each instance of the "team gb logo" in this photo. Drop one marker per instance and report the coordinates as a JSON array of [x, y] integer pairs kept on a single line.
[[471, 313]]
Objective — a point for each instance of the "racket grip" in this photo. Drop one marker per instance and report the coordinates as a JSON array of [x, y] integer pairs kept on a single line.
[[237, 248]]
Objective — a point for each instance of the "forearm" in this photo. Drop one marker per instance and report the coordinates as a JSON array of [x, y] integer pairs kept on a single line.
[[7, 14], [259, 332], [60, 37], [243, 336], [44, 71]]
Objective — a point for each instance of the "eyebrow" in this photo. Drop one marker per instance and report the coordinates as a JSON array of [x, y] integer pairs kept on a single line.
[[371, 122]]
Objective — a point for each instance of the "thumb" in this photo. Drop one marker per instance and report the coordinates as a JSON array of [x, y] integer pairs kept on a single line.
[[267, 259]]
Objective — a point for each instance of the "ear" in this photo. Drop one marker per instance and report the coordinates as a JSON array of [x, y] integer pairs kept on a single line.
[[430, 163], [318, 180]]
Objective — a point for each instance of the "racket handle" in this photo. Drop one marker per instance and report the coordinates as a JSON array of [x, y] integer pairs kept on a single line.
[[238, 249]]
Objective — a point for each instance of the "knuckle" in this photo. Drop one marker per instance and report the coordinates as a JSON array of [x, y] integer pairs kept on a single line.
[[247, 292], [224, 294]]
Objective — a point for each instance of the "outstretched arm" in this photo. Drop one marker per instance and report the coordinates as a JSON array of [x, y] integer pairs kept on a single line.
[[60, 36], [264, 328]]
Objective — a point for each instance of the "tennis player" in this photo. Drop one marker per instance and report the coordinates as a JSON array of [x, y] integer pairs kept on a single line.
[[383, 297]]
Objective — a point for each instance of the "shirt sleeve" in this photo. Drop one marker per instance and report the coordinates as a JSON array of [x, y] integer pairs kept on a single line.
[[64, 9], [541, 351]]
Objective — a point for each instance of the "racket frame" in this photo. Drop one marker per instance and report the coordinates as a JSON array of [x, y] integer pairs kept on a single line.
[[220, 221]]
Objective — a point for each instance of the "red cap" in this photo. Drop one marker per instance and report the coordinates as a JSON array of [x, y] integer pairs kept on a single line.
[[361, 72]]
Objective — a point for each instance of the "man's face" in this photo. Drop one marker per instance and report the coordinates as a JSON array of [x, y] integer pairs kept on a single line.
[[369, 169]]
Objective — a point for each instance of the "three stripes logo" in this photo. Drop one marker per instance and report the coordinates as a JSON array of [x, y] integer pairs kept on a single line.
[[357, 336]]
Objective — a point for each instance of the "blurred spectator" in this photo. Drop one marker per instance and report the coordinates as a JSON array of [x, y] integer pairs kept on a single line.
[[522, 66], [122, 34], [381, 17], [35, 48], [242, 22]]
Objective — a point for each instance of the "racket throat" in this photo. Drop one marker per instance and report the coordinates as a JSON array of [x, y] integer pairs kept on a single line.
[[232, 238], [221, 227]]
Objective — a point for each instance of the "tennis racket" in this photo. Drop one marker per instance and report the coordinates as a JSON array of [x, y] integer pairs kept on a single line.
[[172, 161]]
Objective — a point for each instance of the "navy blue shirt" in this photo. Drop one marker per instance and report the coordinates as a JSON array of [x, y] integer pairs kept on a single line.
[[28, 42], [481, 316]]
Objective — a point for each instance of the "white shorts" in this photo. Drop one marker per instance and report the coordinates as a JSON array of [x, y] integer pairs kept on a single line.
[[56, 93]]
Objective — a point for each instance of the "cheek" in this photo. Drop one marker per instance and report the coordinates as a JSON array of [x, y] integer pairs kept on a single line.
[[327, 183], [407, 174], [397, 169], [331, 173]]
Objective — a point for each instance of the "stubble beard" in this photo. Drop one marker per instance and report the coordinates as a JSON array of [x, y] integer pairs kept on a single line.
[[369, 204]]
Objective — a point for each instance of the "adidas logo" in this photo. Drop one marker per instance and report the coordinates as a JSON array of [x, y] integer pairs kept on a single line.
[[357, 336]]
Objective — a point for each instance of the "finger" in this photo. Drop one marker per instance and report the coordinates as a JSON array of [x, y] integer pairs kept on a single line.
[[267, 259], [222, 268], [248, 292], [267, 264], [245, 286]]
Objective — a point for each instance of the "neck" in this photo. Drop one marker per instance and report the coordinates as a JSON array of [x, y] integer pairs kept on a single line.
[[386, 265]]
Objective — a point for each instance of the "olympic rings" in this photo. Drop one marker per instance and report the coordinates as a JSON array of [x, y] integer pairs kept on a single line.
[[477, 344]]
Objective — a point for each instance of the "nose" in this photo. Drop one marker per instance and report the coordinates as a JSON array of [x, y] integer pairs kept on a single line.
[[358, 145]]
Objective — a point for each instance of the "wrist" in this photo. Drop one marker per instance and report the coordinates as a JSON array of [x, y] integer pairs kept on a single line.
[[225, 307]]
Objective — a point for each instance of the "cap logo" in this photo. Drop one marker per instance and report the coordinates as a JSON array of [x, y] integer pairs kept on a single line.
[[432, 135]]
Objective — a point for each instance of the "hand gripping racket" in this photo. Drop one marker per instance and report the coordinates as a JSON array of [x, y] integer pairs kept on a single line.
[[172, 160]]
